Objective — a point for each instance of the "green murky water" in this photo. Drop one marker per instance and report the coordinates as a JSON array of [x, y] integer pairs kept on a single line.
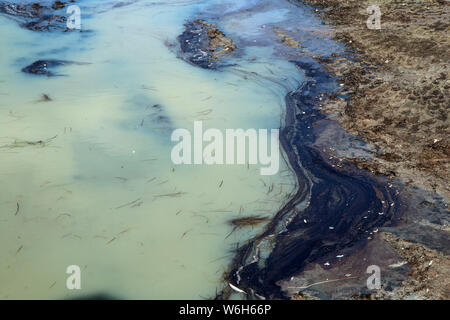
[[102, 192]]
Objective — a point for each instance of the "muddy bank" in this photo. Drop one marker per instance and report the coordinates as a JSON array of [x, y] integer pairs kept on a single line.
[[43, 16], [202, 44], [397, 82], [395, 95]]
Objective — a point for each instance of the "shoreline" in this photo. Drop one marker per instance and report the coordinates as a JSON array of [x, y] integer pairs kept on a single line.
[[395, 79], [336, 193], [301, 255], [395, 83]]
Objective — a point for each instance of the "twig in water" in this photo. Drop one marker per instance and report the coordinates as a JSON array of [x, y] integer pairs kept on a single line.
[[148, 181], [231, 232], [25, 143], [124, 231], [171, 195], [185, 233], [130, 203], [18, 250], [71, 234], [246, 222], [45, 97]]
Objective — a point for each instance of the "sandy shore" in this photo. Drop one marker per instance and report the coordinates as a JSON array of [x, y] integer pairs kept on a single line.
[[394, 95], [396, 83]]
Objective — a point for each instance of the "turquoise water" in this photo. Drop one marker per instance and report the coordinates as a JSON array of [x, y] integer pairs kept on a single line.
[[103, 193]]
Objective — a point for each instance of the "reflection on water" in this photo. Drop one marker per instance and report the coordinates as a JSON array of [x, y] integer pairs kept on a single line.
[[86, 177]]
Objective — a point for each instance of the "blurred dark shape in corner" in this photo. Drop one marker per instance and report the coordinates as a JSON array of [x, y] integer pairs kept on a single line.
[[96, 296]]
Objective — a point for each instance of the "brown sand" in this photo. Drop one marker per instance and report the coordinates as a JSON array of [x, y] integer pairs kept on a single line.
[[397, 81]]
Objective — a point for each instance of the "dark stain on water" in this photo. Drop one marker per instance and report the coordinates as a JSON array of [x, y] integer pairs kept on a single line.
[[194, 44], [331, 193], [338, 195], [37, 17], [44, 67]]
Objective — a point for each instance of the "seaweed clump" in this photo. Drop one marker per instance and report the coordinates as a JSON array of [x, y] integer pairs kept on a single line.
[[203, 44]]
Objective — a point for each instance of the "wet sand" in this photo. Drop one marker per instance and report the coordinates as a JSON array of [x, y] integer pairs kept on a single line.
[[395, 95], [344, 217], [397, 82]]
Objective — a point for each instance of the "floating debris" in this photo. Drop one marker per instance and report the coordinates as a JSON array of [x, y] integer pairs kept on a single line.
[[171, 195], [126, 230], [45, 98], [185, 233], [246, 222], [18, 250], [26, 143], [134, 203], [42, 67], [236, 289]]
